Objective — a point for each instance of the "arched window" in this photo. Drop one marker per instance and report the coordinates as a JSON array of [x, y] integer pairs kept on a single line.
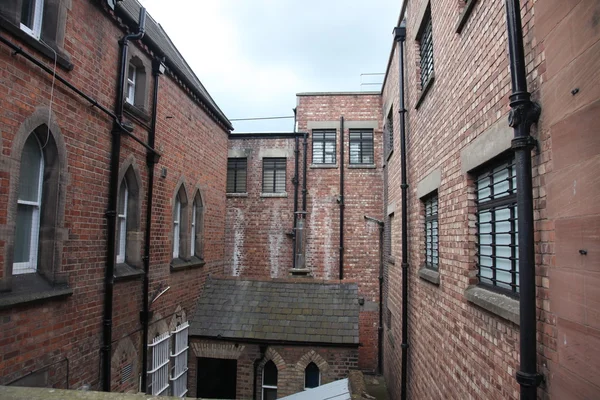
[[312, 376], [128, 238], [269, 381], [122, 222], [28, 207], [176, 226], [197, 228]]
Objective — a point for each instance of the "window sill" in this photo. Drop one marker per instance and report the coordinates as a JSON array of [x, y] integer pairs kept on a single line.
[[283, 194], [389, 155], [236, 194], [32, 288], [430, 275], [178, 264], [464, 16], [300, 271], [136, 112], [425, 91], [362, 166], [323, 166], [61, 58], [125, 272], [496, 303], [391, 259]]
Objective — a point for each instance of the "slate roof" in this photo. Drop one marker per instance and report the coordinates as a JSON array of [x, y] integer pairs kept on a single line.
[[174, 60], [278, 311]]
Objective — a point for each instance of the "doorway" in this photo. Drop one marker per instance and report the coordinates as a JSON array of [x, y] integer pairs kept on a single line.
[[216, 378]]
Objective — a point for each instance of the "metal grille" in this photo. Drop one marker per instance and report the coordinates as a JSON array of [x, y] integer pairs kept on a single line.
[[324, 149], [498, 261], [158, 375], [389, 131], [180, 360], [236, 175], [426, 51], [431, 232], [361, 146], [273, 175], [126, 373]]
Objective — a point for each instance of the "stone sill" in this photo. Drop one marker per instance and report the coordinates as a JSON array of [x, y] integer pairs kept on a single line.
[[125, 272], [496, 303], [300, 271], [362, 166], [425, 90], [389, 155], [274, 195], [32, 288], [323, 166], [236, 194], [179, 264], [429, 275], [136, 112], [464, 16]]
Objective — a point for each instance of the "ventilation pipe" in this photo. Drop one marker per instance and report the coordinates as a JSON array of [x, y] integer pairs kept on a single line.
[[523, 114]]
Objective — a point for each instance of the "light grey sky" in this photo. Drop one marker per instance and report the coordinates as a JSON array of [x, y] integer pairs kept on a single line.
[[253, 56]]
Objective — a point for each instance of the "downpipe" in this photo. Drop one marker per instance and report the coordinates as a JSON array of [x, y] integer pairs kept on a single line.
[[380, 328], [341, 198], [524, 113]]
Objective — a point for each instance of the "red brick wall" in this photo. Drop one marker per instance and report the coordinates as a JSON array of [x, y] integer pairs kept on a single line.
[[192, 145]]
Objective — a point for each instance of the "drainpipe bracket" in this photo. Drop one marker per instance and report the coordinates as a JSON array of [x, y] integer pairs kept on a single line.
[[405, 345], [526, 142], [153, 157], [404, 186], [528, 379]]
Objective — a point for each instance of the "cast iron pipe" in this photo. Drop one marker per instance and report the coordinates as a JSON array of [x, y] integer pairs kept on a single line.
[[296, 183], [263, 350], [523, 114], [380, 328], [304, 175], [151, 161], [111, 213], [400, 37], [341, 199]]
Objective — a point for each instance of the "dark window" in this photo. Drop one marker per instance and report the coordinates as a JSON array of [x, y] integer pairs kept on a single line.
[[236, 175], [389, 132], [269, 381], [273, 175], [324, 146], [361, 146], [312, 376], [217, 378], [197, 228], [426, 50], [497, 226], [431, 232]]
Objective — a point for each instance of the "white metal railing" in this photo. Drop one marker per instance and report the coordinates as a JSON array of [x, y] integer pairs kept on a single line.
[[159, 373], [180, 360]]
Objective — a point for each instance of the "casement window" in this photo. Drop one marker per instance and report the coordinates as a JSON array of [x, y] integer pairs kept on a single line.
[[28, 207], [135, 85], [389, 132], [122, 222], [32, 12], [312, 376], [131, 76], [496, 190], [425, 40], [269, 381], [177, 226], [324, 146], [431, 232], [274, 175], [361, 146], [236, 175], [197, 228]]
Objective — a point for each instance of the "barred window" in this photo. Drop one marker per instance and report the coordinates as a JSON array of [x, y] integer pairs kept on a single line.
[[236, 175], [324, 148], [497, 226], [431, 232], [273, 175], [389, 131], [361, 146], [426, 49]]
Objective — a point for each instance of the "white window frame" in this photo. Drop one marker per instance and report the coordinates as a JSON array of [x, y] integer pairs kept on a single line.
[[193, 232], [262, 392], [122, 225], [30, 266], [179, 358], [159, 371], [38, 14], [176, 227], [131, 85]]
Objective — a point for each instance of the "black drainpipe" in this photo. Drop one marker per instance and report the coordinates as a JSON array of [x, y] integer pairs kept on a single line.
[[380, 328], [523, 114], [296, 182], [263, 350], [400, 37], [304, 175], [341, 199], [151, 161], [111, 213]]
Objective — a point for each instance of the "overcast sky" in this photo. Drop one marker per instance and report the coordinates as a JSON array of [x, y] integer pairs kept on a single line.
[[253, 56]]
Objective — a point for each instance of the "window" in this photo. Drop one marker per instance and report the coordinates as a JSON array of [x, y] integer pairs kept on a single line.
[[498, 262], [426, 49], [196, 242], [312, 376], [361, 146], [236, 175], [135, 86], [269, 381], [324, 146], [431, 232], [28, 207], [273, 175], [131, 76], [31, 17], [176, 226], [122, 222], [389, 132]]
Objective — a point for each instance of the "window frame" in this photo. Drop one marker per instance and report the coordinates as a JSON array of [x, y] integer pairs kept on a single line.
[[37, 19], [131, 83], [279, 164], [431, 206], [177, 213], [494, 204], [197, 227], [122, 222], [324, 140], [389, 132], [426, 56], [236, 168], [361, 141]]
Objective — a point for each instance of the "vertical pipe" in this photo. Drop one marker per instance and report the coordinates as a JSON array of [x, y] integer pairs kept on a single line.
[[304, 175], [380, 329], [400, 36], [111, 213], [341, 199], [523, 114], [296, 183]]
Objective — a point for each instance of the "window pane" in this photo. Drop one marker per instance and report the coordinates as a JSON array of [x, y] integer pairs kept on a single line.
[[269, 394], [270, 374], [123, 193], [25, 222], [27, 12], [31, 164], [311, 376]]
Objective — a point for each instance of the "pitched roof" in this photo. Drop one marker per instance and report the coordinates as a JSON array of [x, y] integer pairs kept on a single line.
[[174, 60], [278, 311]]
